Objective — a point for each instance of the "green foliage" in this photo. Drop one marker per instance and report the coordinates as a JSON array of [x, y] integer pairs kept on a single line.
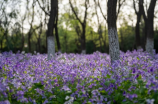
[[128, 35]]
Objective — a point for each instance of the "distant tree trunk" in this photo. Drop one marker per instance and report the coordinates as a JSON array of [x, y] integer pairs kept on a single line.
[[50, 35], [29, 42], [22, 30], [137, 28], [144, 38], [137, 34], [57, 37], [83, 24], [105, 40], [83, 39], [112, 31], [150, 30], [65, 38], [1, 44], [56, 32], [31, 27], [39, 40], [122, 41], [100, 37], [22, 42]]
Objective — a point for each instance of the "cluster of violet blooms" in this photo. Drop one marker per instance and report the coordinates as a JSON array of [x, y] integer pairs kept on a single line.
[[18, 73]]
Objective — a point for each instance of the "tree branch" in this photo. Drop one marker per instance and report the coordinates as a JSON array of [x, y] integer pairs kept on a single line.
[[85, 14], [74, 11], [134, 5], [96, 11], [43, 8], [119, 6], [144, 15], [101, 11]]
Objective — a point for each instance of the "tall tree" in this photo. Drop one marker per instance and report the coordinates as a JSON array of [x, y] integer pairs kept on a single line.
[[112, 12], [149, 21], [137, 28], [31, 24], [22, 31], [51, 26], [83, 23], [114, 50], [56, 32], [100, 31]]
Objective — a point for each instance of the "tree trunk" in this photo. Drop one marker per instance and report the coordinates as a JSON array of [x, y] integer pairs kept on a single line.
[[29, 42], [122, 41], [83, 40], [150, 29], [39, 43], [22, 42], [137, 28], [50, 36], [6, 36], [1, 44], [137, 34], [56, 32], [65, 38], [22, 39], [57, 38], [51, 47], [112, 31], [105, 40], [100, 36], [39, 38]]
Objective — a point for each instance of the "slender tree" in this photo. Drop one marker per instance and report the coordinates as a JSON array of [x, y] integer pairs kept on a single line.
[[100, 31], [31, 25], [137, 28], [149, 21], [112, 31], [50, 35], [111, 18], [83, 23], [56, 32], [51, 26]]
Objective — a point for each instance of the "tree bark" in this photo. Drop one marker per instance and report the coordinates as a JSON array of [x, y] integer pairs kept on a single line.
[[29, 42], [51, 47], [39, 40], [150, 28], [83, 40], [122, 40], [56, 31], [57, 37], [112, 31], [50, 35], [137, 28]]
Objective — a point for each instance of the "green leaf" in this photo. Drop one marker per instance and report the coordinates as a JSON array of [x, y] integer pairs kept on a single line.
[[75, 102], [108, 76], [60, 100], [38, 85]]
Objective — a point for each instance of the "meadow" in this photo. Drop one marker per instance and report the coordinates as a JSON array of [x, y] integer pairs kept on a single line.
[[78, 79]]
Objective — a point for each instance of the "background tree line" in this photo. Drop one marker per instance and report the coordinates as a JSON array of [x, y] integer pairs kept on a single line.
[[80, 26]]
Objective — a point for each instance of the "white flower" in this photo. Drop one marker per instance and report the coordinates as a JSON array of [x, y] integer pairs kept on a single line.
[[70, 101], [67, 97], [23, 52], [150, 101], [66, 88]]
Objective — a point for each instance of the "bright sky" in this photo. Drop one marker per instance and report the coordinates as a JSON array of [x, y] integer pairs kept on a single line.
[[126, 10]]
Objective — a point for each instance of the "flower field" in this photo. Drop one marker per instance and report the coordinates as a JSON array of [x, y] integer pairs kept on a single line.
[[78, 79]]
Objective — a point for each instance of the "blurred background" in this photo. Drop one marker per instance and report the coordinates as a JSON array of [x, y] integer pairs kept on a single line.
[[23, 25]]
